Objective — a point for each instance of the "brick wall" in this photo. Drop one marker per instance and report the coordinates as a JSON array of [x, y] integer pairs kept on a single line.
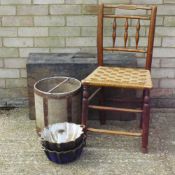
[[70, 26]]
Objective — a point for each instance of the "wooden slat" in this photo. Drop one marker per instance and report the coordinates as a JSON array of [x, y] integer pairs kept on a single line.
[[93, 94], [126, 32], [114, 31], [105, 108], [103, 131], [124, 49], [127, 7], [137, 33], [126, 16]]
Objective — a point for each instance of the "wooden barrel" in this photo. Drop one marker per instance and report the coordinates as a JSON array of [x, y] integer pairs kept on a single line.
[[57, 99]]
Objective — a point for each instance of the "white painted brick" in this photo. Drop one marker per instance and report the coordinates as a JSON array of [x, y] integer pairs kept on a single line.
[[24, 52], [89, 31], [81, 1], [50, 42], [80, 41], [169, 1], [64, 31], [147, 2], [88, 50], [165, 31], [1, 63], [33, 10], [48, 1], [7, 10], [81, 21], [164, 52], [0, 42], [9, 73], [168, 62], [166, 10], [33, 31], [8, 32], [8, 52], [23, 73], [155, 83], [18, 42], [162, 73], [169, 21], [65, 9], [15, 63], [114, 1], [64, 50], [16, 83], [2, 83], [142, 61], [16, 2], [168, 42], [167, 83], [17, 21], [49, 21]]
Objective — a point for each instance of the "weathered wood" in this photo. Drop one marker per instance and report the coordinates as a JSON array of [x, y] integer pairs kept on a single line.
[[103, 131], [127, 16], [105, 108], [124, 49]]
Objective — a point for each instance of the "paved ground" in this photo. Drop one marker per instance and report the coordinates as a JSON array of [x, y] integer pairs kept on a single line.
[[20, 151]]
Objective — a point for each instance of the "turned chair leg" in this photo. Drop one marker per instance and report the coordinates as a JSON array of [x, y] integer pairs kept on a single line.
[[141, 118], [145, 122], [85, 107], [102, 115]]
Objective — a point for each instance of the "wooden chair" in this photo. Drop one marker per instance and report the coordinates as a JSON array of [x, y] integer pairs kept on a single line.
[[118, 77]]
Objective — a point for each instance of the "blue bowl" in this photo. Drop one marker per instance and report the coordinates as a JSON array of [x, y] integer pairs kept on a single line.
[[64, 157]]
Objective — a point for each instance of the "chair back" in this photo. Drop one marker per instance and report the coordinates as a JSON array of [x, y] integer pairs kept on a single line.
[[151, 16]]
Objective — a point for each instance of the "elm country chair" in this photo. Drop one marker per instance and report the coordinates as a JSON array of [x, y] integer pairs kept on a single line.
[[118, 77]]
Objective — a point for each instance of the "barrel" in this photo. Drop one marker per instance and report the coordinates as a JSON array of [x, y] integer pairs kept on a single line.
[[57, 100]]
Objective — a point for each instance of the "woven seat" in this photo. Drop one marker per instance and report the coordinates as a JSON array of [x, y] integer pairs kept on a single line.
[[119, 77]]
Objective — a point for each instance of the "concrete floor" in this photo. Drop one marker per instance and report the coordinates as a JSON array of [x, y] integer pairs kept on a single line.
[[21, 153]]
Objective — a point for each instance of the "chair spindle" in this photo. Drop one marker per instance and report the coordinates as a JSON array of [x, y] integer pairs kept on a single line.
[[137, 33], [126, 32], [114, 31]]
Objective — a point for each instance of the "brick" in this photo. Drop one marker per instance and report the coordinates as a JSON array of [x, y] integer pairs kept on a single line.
[[18, 42], [64, 50], [16, 2], [93, 9], [2, 83], [130, 12], [165, 31], [147, 2], [32, 10], [81, 20], [8, 32], [17, 21], [24, 52], [8, 52], [0, 42], [167, 83], [168, 62], [80, 41], [168, 42], [15, 63], [7, 10], [164, 52], [155, 83], [169, 1], [143, 41], [88, 50], [9, 73], [65, 9], [33, 31], [162, 73], [13, 93], [166, 10], [64, 31], [81, 2], [49, 21], [169, 21], [157, 92], [23, 73], [1, 63], [89, 31], [48, 1], [114, 1], [141, 62], [50, 42], [16, 83]]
